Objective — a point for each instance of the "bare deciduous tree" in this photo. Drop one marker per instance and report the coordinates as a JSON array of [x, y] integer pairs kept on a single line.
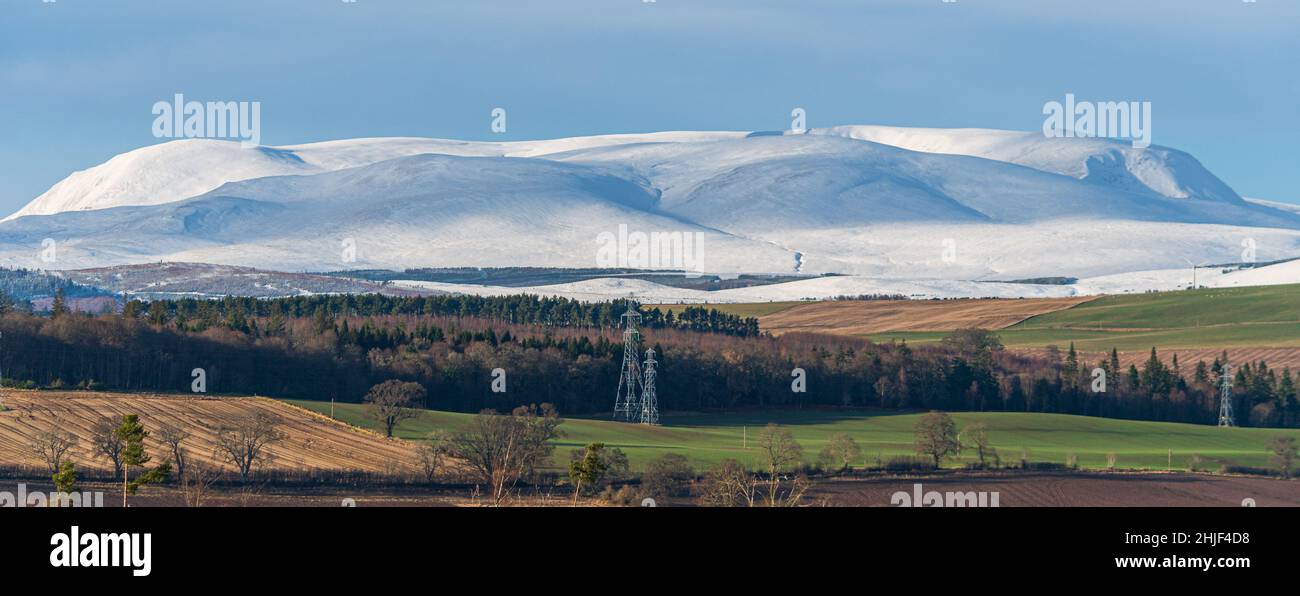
[[500, 449], [841, 451], [173, 439], [432, 454], [52, 445], [392, 401], [245, 443], [669, 475], [936, 436], [728, 484], [1284, 454], [107, 443], [976, 436], [197, 482], [779, 451]]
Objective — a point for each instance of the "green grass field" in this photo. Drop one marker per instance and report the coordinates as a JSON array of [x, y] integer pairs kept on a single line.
[[708, 438], [1216, 318]]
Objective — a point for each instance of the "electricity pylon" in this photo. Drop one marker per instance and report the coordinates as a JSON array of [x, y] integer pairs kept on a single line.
[[1225, 398], [649, 399], [628, 400]]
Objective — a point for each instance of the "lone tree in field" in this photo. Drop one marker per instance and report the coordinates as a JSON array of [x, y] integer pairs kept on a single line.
[[1284, 454], [841, 451], [107, 443], [779, 451], [390, 402], [245, 443], [936, 436], [976, 436], [501, 448], [132, 435]]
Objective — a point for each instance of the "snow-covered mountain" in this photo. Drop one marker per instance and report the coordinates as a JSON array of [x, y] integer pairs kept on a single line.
[[889, 203], [177, 170], [1110, 163]]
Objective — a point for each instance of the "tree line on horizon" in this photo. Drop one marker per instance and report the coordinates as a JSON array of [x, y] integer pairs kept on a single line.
[[338, 347]]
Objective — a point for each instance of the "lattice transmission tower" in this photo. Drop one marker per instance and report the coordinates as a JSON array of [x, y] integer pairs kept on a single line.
[[649, 399], [1225, 398], [628, 400]]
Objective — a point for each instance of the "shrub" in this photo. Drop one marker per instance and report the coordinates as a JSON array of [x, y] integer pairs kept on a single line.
[[669, 475], [909, 463], [623, 496], [1046, 466], [1230, 468]]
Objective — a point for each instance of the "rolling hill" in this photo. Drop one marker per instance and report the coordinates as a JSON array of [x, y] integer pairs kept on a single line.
[[1231, 317], [932, 209], [311, 442], [705, 439]]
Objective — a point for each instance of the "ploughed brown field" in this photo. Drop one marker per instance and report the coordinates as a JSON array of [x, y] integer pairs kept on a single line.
[[864, 317], [312, 441], [1276, 358], [1187, 358], [1080, 489]]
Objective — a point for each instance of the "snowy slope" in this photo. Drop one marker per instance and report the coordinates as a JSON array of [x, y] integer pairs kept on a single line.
[[1112, 163], [423, 210], [181, 169], [945, 210], [1272, 275], [604, 289], [823, 288], [1288, 207]]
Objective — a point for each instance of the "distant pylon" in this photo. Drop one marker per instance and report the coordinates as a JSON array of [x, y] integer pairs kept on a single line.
[[628, 400], [1225, 397], [649, 400]]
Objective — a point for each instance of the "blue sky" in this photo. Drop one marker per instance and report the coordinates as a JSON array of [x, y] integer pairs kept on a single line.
[[78, 77]]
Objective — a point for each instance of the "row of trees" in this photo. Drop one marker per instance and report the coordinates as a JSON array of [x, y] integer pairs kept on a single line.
[[119, 441], [455, 359], [1159, 391], [244, 443], [241, 314]]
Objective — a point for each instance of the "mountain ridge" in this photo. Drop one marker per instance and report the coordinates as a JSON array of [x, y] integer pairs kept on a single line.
[[836, 200]]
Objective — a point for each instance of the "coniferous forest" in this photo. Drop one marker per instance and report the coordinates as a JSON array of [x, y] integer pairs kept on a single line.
[[569, 353]]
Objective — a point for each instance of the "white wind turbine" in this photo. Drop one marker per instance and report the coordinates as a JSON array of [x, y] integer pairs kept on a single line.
[[1194, 268]]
